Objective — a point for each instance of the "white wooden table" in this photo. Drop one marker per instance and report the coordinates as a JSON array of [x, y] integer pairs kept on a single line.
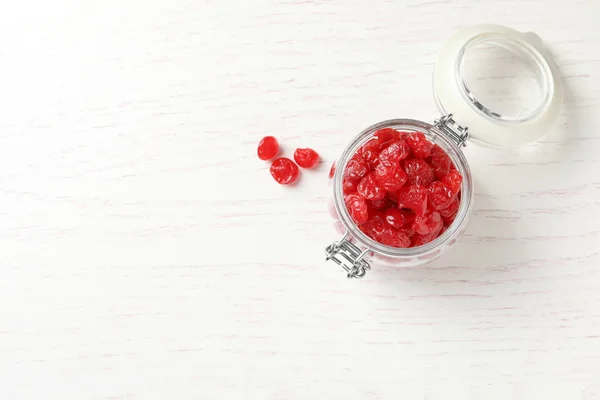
[[146, 253]]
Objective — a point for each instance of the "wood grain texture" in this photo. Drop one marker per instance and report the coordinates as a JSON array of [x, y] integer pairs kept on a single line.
[[146, 253]]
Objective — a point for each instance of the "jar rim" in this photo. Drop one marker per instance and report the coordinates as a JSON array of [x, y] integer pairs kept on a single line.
[[456, 156]]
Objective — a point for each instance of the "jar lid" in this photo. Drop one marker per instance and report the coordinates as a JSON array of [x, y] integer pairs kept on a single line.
[[499, 83]]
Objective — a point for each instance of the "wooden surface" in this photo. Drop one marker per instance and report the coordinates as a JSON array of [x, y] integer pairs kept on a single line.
[[146, 253]]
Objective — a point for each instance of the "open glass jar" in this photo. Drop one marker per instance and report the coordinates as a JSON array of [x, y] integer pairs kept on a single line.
[[494, 86]]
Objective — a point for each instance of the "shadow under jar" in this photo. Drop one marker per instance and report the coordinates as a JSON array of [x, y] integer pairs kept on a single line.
[[496, 87]]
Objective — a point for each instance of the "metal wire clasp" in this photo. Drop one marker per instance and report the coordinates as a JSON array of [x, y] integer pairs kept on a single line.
[[454, 131], [348, 256]]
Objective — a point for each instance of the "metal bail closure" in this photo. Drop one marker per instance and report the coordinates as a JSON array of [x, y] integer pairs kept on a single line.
[[450, 128], [348, 256]]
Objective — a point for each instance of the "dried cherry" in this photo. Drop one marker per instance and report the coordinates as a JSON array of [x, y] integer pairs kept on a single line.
[[428, 223], [413, 197], [440, 195], [419, 172], [419, 145], [284, 171], [267, 148], [357, 207], [306, 158], [440, 161], [454, 181], [399, 218], [370, 189], [390, 176]]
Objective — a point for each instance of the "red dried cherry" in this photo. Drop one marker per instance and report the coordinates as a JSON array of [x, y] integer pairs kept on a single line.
[[440, 195], [451, 209], [370, 150], [453, 180], [379, 204], [449, 213], [375, 226], [399, 219], [395, 152], [390, 176], [369, 188], [357, 208], [332, 170], [440, 162], [419, 172], [428, 223], [349, 185], [284, 170], [403, 135], [306, 158], [267, 148], [394, 238], [413, 197], [356, 168], [419, 145], [420, 240], [449, 220], [386, 134]]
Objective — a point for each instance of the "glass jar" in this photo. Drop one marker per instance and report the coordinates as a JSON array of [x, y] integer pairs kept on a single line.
[[494, 86]]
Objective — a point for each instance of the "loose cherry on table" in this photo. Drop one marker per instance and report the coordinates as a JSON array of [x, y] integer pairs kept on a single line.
[[284, 171], [306, 158], [268, 148]]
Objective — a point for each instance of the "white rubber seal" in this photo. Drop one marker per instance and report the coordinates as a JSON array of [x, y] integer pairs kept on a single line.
[[484, 126]]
